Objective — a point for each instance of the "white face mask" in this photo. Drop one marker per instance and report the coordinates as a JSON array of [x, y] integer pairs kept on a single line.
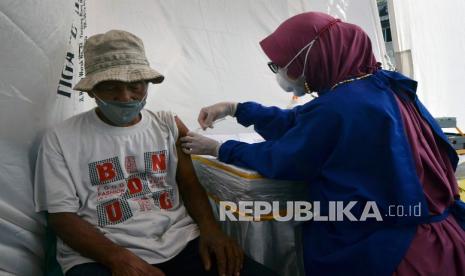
[[296, 86], [288, 85]]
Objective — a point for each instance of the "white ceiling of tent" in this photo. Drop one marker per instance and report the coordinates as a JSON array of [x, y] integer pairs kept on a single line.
[[208, 49]]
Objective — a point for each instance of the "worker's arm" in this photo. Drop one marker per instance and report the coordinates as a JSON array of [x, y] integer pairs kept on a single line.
[[229, 255], [298, 155], [91, 243], [270, 122]]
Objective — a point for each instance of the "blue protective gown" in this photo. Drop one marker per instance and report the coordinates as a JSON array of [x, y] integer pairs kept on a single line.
[[348, 144]]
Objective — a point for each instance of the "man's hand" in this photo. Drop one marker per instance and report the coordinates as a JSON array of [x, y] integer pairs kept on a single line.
[[229, 256], [128, 264], [90, 242]]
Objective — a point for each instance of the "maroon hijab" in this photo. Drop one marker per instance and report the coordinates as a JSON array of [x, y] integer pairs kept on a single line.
[[342, 50]]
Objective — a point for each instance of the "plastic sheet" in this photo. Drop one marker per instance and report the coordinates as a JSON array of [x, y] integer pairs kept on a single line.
[[208, 49], [272, 243], [432, 33], [33, 39], [231, 183]]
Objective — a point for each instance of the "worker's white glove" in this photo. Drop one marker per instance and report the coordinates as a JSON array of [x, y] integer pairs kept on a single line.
[[194, 143], [214, 112]]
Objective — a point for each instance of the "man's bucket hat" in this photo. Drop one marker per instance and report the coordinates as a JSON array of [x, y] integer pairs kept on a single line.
[[115, 55]]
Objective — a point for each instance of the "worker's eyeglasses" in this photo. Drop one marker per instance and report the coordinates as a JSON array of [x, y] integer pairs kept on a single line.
[[273, 67]]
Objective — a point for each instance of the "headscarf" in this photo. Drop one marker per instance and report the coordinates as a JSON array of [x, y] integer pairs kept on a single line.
[[342, 50]]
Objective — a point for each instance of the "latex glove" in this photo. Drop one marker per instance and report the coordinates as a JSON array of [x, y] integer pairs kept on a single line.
[[194, 143], [214, 112]]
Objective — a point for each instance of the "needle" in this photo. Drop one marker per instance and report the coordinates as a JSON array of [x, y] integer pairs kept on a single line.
[[214, 123]]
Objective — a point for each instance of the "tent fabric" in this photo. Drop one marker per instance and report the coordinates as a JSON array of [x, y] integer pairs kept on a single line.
[[207, 49], [428, 40], [33, 39]]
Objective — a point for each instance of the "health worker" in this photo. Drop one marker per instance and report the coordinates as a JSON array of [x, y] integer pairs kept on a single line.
[[366, 137]]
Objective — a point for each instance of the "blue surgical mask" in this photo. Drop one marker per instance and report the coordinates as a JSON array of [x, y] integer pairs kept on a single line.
[[120, 113], [296, 86]]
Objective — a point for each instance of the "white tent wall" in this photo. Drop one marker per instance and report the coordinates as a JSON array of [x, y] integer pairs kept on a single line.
[[33, 39], [434, 33], [207, 49]]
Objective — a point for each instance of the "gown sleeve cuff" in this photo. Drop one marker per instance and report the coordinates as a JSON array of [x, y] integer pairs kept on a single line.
[[245, 113]]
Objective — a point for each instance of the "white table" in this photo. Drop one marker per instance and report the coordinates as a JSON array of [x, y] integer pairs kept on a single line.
[[272, 243]]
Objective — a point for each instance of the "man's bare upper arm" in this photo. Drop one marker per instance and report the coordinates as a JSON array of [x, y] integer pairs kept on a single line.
[[185, 170]]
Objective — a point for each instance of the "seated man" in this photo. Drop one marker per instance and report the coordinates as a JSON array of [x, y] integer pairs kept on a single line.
[[121, 195]]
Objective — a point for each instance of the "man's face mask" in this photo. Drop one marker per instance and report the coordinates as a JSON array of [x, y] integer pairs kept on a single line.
[[121, 113], [296, 86]]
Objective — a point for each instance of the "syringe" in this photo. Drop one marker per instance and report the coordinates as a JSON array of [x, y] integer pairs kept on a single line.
[[214, 123]]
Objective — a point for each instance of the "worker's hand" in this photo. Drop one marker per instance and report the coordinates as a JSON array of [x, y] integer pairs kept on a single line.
[[214, 112], [229, 256], [128, 264], [194, 143]]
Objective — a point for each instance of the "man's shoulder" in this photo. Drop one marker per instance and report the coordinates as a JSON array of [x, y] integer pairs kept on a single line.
[[164, 119], [161, 114], [73, 120], [69, 125]]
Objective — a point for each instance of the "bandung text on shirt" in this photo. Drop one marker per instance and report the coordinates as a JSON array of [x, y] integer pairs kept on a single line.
[[148, 188]]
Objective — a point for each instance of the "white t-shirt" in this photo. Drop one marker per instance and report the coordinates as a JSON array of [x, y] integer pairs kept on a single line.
[[122, 180]]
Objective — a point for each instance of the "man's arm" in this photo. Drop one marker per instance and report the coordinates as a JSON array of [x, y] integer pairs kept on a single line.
[[229, 255], [91, 243], [54, 191]]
